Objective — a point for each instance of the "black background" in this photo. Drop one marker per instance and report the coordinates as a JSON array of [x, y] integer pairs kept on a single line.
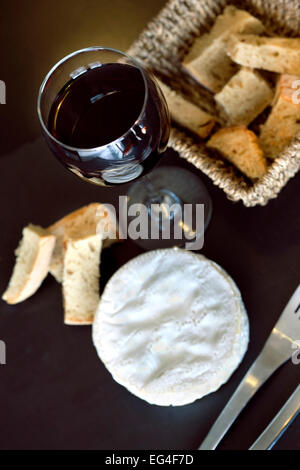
[[54, 392]]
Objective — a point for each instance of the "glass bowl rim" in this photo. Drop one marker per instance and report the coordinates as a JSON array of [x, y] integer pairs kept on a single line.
[[66, 58]]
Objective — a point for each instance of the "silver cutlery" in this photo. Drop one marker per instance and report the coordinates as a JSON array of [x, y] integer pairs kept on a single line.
[[279, 424], [279, 347]]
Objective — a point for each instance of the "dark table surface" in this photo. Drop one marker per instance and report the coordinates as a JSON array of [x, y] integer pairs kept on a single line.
[[54, 391]]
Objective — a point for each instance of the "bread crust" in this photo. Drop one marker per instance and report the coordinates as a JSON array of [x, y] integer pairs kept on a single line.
[[244, 97], [240, 146], [81, 274], [78, 224], [187, 114], [37, 269], [276, 54], [283, 124], [207, 60]]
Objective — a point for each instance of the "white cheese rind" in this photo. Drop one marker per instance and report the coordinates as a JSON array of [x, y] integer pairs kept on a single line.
[[171, 327]]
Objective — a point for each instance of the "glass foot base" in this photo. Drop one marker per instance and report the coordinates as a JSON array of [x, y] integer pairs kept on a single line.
[[176, 207]]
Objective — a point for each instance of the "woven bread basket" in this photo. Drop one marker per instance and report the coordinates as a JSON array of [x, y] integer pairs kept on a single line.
[[161, 48]]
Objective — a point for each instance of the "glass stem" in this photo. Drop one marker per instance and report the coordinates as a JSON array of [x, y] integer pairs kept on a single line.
[[154, 195]]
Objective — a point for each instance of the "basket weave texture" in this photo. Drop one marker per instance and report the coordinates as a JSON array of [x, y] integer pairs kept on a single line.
[[161, 48]]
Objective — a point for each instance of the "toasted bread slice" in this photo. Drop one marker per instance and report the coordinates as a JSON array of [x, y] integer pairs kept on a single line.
[[207, 60], [32, 264], [88, 220], [240, 146], [281, 55], [81, 273], [187, 114], [244, 97], [283, 124]]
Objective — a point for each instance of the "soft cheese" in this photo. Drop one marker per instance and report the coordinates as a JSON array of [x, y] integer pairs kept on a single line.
[[171, 327]]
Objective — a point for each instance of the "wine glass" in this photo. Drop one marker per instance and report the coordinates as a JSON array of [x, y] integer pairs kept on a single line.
[[105, 118]]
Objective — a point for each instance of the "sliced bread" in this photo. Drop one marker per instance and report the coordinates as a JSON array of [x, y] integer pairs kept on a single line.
[[32, 264], [81, 223], [187, 114], [240, 146], [244, 97], [207, 60], [281, 55], [81, 275], [283, 124]]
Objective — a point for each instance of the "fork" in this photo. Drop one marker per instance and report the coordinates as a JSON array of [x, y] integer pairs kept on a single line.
[[279, 347], [279, 424]]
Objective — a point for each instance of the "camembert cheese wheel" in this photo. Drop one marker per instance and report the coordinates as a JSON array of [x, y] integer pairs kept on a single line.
[[171, 327]]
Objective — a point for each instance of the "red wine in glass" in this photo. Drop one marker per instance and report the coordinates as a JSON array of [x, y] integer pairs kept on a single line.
[[106, 120], [109, 123]]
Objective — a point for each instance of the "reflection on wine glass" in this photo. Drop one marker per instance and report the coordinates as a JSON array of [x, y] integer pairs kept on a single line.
[[106, 120]]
